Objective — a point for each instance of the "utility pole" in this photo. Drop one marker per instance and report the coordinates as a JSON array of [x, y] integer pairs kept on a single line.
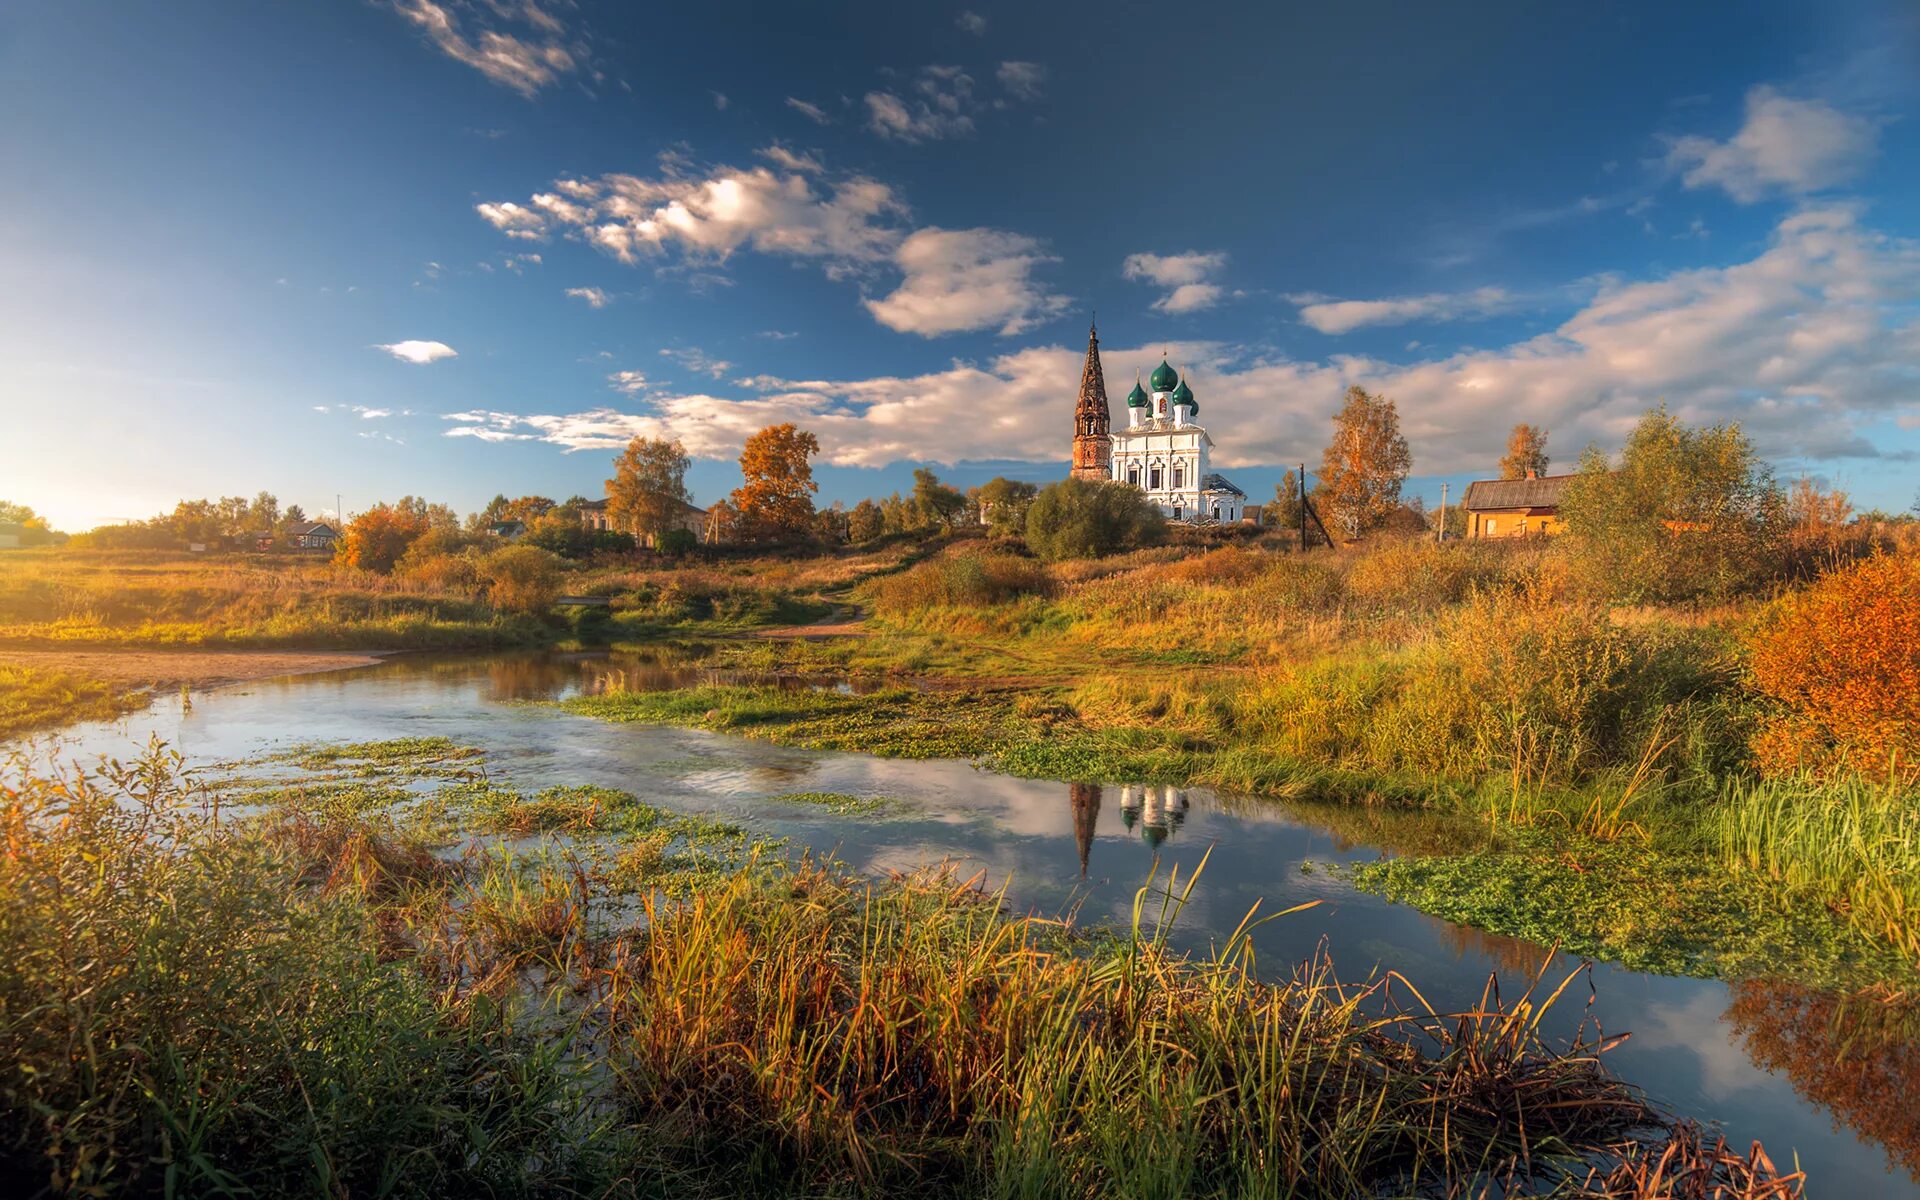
[[1440, 531], [1303, 506]]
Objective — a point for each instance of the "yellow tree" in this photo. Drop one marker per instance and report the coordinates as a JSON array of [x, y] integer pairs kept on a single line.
[[775, 501], [649, 487], [1364, 465], [1526, 451]]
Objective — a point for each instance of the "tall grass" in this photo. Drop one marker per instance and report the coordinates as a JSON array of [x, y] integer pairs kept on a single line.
[[1850, 843], [317, 1006], [31, 697]]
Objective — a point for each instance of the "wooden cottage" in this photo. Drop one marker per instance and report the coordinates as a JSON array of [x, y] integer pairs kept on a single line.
[[1502, 508]]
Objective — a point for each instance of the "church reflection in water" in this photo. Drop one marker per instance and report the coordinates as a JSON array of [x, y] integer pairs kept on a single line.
[[1155, 812]]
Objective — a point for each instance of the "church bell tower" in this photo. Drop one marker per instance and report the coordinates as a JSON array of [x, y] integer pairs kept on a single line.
[[1092, 443]]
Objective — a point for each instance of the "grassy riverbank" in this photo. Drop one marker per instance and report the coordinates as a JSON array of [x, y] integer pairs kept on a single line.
[[1606, 754], [329, 999], [33, 698]]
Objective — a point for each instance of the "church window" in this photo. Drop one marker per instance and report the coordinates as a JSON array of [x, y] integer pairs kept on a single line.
[[1133, 474], [1179, 476], [1176, 512], [1153, 479], [1216, 512]]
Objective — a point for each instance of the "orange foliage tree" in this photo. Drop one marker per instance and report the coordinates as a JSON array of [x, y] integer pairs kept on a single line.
[[775, 503], [375, 540], [1526, 451], [1842, 661], [1364, 465]]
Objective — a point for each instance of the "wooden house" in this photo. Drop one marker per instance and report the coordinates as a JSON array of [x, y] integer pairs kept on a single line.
[[1502, 508]]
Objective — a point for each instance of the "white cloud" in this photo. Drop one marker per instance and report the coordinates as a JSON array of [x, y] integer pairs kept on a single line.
[[792, 160], [854, 226], [1785, 145], [1190, 297], [595, 297], [964, 279], [1344, 316], [939, 107], [692, 358], [524, 63], [720, 100], [1185, 275], [812, 112], [514, 220], [1023, 80], [419, 353], [630, 382], [625, 215], [971, 22], [1805, 345]]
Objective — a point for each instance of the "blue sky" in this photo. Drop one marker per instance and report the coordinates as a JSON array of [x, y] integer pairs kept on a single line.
[[454, 249]]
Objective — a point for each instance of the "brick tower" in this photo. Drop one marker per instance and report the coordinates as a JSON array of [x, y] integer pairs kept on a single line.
[[1092, 446]]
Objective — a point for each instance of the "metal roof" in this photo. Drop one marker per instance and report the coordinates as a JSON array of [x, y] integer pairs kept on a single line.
[[1544, 492]]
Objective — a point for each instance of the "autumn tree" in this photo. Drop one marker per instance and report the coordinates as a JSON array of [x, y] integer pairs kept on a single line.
[[1685, 513], [1364, 465], [1285, 511], [21, 521], [527, 509], [1526, 452], [863, 523], [375, 540], [937, 503], [1816, 516], [775, 501], [648, 490], [1003, 504]]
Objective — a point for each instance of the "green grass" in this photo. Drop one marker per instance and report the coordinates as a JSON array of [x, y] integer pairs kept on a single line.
[[1848, 844], [323, 1007], [1667, 912], [31, 698], [841, 803]]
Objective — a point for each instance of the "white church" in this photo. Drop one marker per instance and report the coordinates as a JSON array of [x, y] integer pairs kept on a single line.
[[1162, 451]]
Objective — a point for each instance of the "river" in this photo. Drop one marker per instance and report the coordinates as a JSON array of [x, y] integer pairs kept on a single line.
[[1767, 1061]]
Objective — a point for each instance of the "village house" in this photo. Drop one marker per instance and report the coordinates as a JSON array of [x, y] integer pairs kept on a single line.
[[695, 520], [1504, 508], [313, 535]]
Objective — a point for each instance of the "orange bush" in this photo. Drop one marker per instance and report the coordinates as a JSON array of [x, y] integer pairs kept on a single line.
[[1842, 660]]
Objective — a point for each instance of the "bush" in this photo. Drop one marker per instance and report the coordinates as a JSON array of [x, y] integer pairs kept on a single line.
[[676, 541], [376, 539], [968, 580], [1689, 512], [1841, 661], [1080, 518], [521, 579]]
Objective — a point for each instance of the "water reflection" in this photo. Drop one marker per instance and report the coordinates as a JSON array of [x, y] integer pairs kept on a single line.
[[1855, 1054], [537, 677], [1158, 812]]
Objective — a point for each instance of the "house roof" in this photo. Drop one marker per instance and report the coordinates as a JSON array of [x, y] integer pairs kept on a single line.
[[594, 506], [1545, 492], [1219, 483], [311, 527]]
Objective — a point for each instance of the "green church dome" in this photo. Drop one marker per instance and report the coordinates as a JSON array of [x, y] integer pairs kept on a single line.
[[1163, 377], [1184, 395], [1137, 398]]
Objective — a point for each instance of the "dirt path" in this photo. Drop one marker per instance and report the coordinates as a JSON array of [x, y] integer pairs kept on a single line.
[[167, 670], [844, 621]]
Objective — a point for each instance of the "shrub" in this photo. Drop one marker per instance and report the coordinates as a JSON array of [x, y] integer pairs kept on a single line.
[[1689, 512], [1080, 518], [1841, 660], [375, 540], [973, 579], [676, 541], [521, 579]]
